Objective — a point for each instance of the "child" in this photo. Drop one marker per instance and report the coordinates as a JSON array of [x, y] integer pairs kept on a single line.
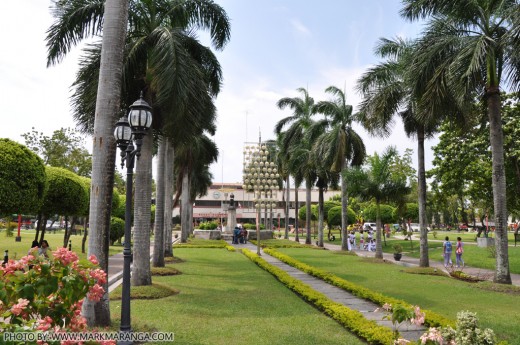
[[447, 249], [372, 247], [361, 240]]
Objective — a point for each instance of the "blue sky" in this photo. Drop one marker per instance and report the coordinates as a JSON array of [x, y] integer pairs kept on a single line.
[[276, 47]]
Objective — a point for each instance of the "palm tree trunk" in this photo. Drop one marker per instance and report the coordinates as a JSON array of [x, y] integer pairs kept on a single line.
[[421, 179], [321, 203], [185, 208], [104, 148], [158, 249], [502, 273], [344, 210], [168, 204], [296, 214], [379, 245], [141, 273], [308, 216], [287, 208]]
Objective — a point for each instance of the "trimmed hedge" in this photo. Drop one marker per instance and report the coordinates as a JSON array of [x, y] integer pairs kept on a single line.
[[432, 319], [353, 320], [231, 248]]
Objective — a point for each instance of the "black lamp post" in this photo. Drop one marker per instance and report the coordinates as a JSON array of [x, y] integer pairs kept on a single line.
[[129, 129]]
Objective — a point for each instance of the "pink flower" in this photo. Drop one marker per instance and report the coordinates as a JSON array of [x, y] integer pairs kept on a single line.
[[433, 335], [93, 259], [19, 307], [419, 317], [99, 275], [95, 293], [65, 256], [44, 324]]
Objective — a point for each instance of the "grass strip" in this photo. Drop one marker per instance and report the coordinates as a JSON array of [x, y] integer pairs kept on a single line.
[[432, 319], [351, 319]]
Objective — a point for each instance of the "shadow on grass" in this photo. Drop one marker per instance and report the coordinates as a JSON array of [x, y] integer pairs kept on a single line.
[[154, 291]]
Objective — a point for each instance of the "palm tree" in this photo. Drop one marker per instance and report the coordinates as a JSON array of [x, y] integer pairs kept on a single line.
[[342, 145], [388, 92], [470, 49], [377, 182], [298, 122], [162, 57], [62, 35], [192, 162], [168, 200]]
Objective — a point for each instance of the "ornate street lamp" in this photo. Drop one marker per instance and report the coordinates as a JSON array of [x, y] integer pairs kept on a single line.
[[129, 129], [260, 178]]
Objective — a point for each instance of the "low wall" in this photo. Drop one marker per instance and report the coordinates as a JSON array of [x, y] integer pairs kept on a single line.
[[208, 234], [485, 242], [264, 234]]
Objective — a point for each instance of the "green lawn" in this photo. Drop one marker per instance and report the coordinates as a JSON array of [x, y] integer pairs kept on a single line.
[[226, 299], [473, 255], [443, 295], [19, 249]]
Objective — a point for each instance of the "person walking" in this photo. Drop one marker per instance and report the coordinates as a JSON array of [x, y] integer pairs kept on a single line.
[[458, 252], [447, 249]]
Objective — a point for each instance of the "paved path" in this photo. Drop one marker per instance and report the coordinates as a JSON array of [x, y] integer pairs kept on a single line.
[[115, 267], [367, 308]]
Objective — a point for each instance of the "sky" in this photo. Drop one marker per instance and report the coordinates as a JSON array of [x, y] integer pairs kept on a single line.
[[276, 47]]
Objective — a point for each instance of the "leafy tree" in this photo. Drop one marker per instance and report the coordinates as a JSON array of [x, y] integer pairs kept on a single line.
[[334, 216], [387, 213], [64, 149], [66, 195], [376, 182], [22, 179], [468, 50]]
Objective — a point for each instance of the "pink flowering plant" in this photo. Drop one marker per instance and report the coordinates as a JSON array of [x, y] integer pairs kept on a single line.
[[399, 314], [39, 294]]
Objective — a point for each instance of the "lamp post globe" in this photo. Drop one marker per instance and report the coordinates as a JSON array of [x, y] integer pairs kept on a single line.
[[130, 128]]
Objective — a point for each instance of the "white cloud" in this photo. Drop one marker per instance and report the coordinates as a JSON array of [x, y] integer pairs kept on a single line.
[[299, 27]]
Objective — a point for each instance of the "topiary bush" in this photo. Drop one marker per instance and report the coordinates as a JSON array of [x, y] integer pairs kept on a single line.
[[117, 229]]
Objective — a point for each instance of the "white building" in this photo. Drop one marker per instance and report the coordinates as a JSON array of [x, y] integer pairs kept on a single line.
[[213, 205]]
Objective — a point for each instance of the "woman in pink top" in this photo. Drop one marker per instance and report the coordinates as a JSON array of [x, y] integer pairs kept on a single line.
[[458, 252]]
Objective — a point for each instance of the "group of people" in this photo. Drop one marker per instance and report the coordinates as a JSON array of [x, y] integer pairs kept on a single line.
[[239, 235], [369, 244], [447, 249], [42, 248]]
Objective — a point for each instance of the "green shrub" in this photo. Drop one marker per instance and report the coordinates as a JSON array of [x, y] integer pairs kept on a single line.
[[350, 319], [432, 319], [117, 230]]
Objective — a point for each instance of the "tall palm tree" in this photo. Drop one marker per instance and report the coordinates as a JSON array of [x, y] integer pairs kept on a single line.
[[468, 49], [168, 199], [61, 36], [388, 92], [192, 162], [377, 182], [343, 145], [164, 58], [298, 123]]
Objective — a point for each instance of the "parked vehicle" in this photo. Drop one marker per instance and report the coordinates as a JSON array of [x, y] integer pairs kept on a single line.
[[50, 225], [366, 226], [416, 227]]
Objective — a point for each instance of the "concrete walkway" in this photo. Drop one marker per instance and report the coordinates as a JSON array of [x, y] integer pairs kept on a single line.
[[408, 331], [115, 267]]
